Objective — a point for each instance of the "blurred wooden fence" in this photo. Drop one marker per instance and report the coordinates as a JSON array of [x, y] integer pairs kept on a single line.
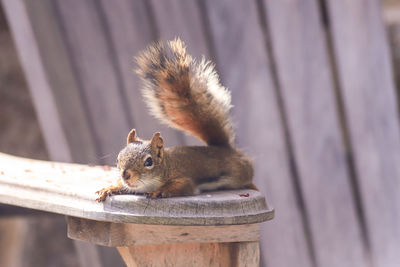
[[314, 99]]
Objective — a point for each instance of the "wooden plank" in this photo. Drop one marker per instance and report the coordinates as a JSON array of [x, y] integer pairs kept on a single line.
[[201, 254], [94, 66], [306, 85], [128, 234], [55, 89], [245, 70], [69, 189], [47, 67], [366, 82], [131, 29], [88, 254], [180, 18], [64, 86], [20, 237], [245, 254], [13, 231], [37, 77]]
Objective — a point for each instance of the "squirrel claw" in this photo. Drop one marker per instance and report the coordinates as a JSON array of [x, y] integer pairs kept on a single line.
[[100, 199], [103, 194]]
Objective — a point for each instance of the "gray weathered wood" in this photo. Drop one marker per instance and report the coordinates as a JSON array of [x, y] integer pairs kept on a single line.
[[56, 69], [306, 84], [131, 28], [78, 60], [88, 254], [202, 254], [36, 73], [69, 189], [94, 65], [89, 68], [180, 18], [53, 85], [63, 83], [245, 70], [128, 234], [366, 82]]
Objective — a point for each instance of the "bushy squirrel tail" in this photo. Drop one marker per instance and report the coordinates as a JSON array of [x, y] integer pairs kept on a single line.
[[186, 94]]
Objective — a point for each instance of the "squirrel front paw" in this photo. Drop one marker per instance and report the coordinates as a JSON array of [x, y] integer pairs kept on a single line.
[[109, 191], [103, 194]]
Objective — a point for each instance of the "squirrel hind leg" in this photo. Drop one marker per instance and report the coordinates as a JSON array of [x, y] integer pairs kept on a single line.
[[222, 182], [251, 186], [235, 180], [175, 187]]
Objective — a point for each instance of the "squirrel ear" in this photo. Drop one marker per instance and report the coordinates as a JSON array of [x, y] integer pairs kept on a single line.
[[157, 143], [132, 137]]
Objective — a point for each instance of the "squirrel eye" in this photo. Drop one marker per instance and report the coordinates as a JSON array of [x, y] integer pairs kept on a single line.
[[148, 162]]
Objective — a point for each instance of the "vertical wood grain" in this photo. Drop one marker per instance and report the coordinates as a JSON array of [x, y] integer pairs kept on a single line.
[[245, 70], [131, 29], [245, 254], [28, 47], [365, 78], [67, 96], [193, 254], [95, 70], [55, 89], [88, 254], [180, 18], [306, 85]]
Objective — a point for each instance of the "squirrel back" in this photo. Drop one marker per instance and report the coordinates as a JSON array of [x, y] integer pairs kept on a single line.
[[186, 94]]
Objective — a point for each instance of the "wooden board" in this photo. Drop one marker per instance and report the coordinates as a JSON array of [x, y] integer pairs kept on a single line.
[[29, 50], [183, 19], [307, 87], [201, 254], [245, 69], [366, 82], [69, 189], [13, 232], [131, 28], [63, 83], [55, 90], [129, 234]]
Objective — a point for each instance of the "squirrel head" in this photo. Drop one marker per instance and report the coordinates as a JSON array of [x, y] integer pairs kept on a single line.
[[141, 163]]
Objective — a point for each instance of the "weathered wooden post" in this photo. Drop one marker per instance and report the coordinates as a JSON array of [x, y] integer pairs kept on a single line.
[[212, 229], [215, 229]]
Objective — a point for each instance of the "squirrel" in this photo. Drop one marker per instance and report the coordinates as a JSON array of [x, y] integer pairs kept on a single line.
[[186, 95]]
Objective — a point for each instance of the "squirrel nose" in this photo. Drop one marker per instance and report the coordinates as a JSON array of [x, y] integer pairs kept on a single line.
[[126, 175]]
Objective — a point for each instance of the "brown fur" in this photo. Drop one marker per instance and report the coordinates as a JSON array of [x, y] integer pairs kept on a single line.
[[182, 186], [187, 96]]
